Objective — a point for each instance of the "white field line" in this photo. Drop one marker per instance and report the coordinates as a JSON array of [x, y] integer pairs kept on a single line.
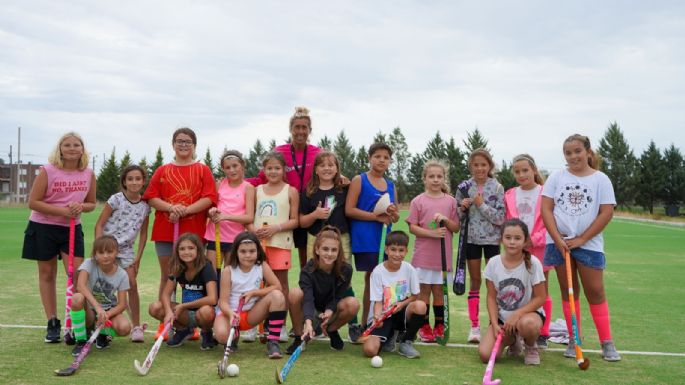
[[471, 346]]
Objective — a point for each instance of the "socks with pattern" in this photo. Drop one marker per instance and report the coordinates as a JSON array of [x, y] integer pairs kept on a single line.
[[78, 324], [547, 307], [276, 322], [439, 312], [413, 326], [566, 307], [474, 304], [600, 315]]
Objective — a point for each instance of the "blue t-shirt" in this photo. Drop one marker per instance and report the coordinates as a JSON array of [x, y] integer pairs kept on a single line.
[[366, 235]]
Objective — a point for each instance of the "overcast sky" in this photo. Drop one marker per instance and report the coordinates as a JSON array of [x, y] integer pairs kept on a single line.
[[526, 73]]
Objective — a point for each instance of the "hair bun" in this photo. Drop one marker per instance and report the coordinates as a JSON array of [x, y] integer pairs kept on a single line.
[[301, 112]]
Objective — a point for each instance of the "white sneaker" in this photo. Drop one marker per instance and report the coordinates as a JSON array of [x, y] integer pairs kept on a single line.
[[474, 335], [249, 335], [284, 335]]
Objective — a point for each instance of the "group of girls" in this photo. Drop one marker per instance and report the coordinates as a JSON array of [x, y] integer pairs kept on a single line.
[[259, 221]]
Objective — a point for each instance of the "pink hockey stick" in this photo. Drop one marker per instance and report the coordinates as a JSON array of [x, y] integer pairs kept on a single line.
[[487, 377], [70, 281]]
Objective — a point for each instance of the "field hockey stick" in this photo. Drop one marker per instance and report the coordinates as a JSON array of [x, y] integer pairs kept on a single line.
[[283, 373], [376, 323], [173, 245], [260, 329], [459, 284], [217, 248], [583, 363], [145, 367], [445, 290], [81, 356], [223, 364], [487, 377], [381, 247], [70, 283]]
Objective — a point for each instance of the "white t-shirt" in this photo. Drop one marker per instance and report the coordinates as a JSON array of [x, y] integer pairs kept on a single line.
[[526, 201], [576, 203], [514, 286], [391, 287], [105, 287], [242, 282], [125, 222]]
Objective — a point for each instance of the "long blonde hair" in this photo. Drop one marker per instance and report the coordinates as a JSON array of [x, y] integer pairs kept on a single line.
[[445, 172], [301, 113], [55, 157]]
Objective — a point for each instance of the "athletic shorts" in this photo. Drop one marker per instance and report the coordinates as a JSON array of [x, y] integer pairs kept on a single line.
[[225, 246], [387, 330], [125, 261], [589, 258], [367, 261], [164, 249], [300, 237], [278, 259], [344, 238], [43, 242], [431, 277], [474, 251], [242, 324]]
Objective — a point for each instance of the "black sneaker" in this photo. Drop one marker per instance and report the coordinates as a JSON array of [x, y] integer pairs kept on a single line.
[[207, 340], [69, 338], [336, 342], [273, 350], [180, 336], [354, 332], [102, 341], [53, 330], [296, 343], [77, 348]]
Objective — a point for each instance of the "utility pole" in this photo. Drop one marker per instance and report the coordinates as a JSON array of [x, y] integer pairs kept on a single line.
[[18, 196]]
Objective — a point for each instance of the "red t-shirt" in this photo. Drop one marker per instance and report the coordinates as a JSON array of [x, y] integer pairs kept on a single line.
[[180, 185]]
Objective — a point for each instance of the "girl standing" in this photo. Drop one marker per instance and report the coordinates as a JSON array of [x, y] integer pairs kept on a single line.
[[426, 212], [190, 269], [235, 207], [64, 188], [577, 204], [485, 204], [275, 218], [516, 292], [242, 280], [322, 297], [180, 192], [524, 202], [124, 216]]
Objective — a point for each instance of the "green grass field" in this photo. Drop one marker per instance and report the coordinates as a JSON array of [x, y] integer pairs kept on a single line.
[[644, 282]]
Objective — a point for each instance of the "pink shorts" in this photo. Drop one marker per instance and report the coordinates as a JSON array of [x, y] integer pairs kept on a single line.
[[278, 259]]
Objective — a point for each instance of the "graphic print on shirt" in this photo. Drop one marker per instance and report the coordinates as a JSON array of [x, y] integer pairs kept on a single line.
[[392, 295], [510, 293], [574, 199], [191, 292], [104, 293], [267, 208]]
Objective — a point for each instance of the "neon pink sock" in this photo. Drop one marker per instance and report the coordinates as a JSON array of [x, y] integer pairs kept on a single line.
[[547, 307], [566, 306], [474, 304], [600, 315]]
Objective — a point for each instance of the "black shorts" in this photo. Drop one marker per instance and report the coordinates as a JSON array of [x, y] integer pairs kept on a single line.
[[387, 330], [225, 246], [300, 237], [43, 242], [500, 322], [477, 251]]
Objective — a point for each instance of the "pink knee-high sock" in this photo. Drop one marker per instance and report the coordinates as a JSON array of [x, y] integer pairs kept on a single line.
[[600, 315], [474, 304], [547, 307], [566, 306]]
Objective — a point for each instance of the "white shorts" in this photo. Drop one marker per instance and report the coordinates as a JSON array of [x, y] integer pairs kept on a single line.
[[431, 277], [125, 261]]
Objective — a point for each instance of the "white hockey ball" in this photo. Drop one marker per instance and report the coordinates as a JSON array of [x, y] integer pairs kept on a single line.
[[232, 370], [377, 362]]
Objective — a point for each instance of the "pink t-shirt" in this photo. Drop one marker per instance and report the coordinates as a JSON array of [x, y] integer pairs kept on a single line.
[[422, 210], [292, 174], [63, 187], [231, 201]]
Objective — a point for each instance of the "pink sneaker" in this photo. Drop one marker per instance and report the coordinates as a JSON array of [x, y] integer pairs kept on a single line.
[[137, 334], [439, 331], [426, 333]]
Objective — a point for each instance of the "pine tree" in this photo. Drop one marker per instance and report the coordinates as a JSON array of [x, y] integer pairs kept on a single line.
[[457, 163], [325, 143], [209, 162], [400, 164], [272, 144], [125, 162], [475, 140], [436, 149], [619, 163], [343, 149], [143, 164], [253, 162], [674, 186], [159, 161], [108, 180], [415, 184], [505, 176], [380, 138], [651, 177], [361, 162]]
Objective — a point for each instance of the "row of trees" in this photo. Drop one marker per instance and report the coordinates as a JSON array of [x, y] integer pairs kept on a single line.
[[654, 177]]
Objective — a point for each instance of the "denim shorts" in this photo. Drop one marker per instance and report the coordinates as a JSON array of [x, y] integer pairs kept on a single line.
[[589, 258]]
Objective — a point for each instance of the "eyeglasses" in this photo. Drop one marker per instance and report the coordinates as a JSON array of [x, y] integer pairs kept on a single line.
[[181, 142]]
